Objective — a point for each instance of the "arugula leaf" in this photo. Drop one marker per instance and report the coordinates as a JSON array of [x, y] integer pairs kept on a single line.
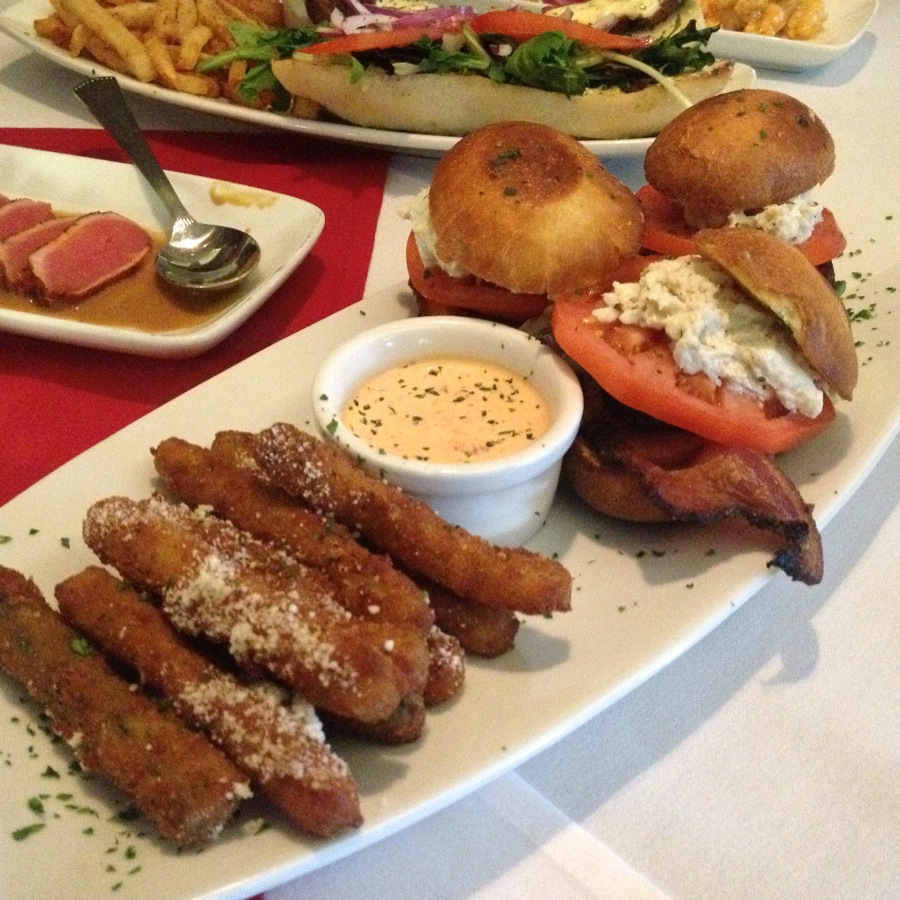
[[548, 62], [681, 51], [261, 45]]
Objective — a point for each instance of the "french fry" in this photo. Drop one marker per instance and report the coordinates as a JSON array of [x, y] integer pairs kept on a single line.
[[170, 77], [135, 16], [191, 47], [165, 20], [111, 31], [265, 12], [185, 18], [211, 14]]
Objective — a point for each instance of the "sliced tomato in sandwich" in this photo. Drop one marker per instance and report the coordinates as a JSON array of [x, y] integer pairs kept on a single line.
[[522, 26], [666, 232], [636, 366], [446, 293]]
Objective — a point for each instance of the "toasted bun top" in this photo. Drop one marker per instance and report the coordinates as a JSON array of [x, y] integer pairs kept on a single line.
[[528, 208], [739, 151], [780, 277]]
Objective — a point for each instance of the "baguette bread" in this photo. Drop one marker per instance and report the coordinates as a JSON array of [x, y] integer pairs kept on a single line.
[[455, 104]]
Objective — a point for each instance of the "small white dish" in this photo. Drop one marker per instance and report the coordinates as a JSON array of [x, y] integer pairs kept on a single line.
[[505, 500], [285, 227], [847, 22]]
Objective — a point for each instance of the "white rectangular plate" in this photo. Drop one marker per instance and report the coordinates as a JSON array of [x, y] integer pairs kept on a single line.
[[847, 22], [285, 227], [642, 596], [18, 21]]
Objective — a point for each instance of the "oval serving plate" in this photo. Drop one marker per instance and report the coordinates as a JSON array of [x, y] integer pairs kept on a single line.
[[18, 20]]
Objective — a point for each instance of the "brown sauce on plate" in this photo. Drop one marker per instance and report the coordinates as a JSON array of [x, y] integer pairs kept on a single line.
[[140, 301]]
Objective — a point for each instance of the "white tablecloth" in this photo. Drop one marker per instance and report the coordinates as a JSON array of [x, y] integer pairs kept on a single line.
[[764, 762]]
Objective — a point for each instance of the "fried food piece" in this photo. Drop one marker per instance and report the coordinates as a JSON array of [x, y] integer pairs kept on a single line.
[[183, 784], [404, 726], [364, 583], [220, 583], [481, 630], [100, 22], [278, 742], [447, 670], [394, 522], [367, 584]]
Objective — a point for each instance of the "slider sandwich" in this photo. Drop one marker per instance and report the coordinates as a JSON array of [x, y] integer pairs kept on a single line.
[[697, 371], [515, 212], [748, 157]]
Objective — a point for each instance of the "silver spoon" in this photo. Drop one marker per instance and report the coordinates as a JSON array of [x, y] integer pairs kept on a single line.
[[198, 256]]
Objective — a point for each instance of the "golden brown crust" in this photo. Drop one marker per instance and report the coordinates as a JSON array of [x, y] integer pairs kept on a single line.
[[742, 150], [784, 281], [527, 207], [608, 488]]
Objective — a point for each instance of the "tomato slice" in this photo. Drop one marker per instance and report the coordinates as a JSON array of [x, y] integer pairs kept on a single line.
[[636, 366], [826, 243], [469, 293], [522, 26], [665, 230], [377, 40]]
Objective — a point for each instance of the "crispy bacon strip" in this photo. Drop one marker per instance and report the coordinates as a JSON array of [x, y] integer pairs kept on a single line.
[[394, 522], [277, 740], [183, 784], [217, 582], [694, 480]]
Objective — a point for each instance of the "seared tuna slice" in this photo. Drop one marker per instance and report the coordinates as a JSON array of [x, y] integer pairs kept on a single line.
[[96, 250], [15, 270], [16, 215]]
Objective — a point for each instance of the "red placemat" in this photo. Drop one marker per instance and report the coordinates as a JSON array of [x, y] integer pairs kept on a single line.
[[57, 400]]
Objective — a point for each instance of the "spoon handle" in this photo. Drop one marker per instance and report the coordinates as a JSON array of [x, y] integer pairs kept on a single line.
[[104, 98]]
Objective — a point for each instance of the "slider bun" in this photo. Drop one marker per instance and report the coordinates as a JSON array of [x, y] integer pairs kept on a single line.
[[779, 277], [528, 208], [739, 151]]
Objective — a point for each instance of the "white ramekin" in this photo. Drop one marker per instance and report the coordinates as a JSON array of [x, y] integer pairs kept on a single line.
[[505, 500]]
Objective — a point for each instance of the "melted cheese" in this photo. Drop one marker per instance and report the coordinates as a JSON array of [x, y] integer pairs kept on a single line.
[[448, 409]]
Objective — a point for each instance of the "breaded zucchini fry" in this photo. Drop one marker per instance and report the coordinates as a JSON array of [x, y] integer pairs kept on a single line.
[[218, 582], [481, 630], [183, 784], [403, 726], [366, 584], [447, 670], [327, 478], [279, 744]]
